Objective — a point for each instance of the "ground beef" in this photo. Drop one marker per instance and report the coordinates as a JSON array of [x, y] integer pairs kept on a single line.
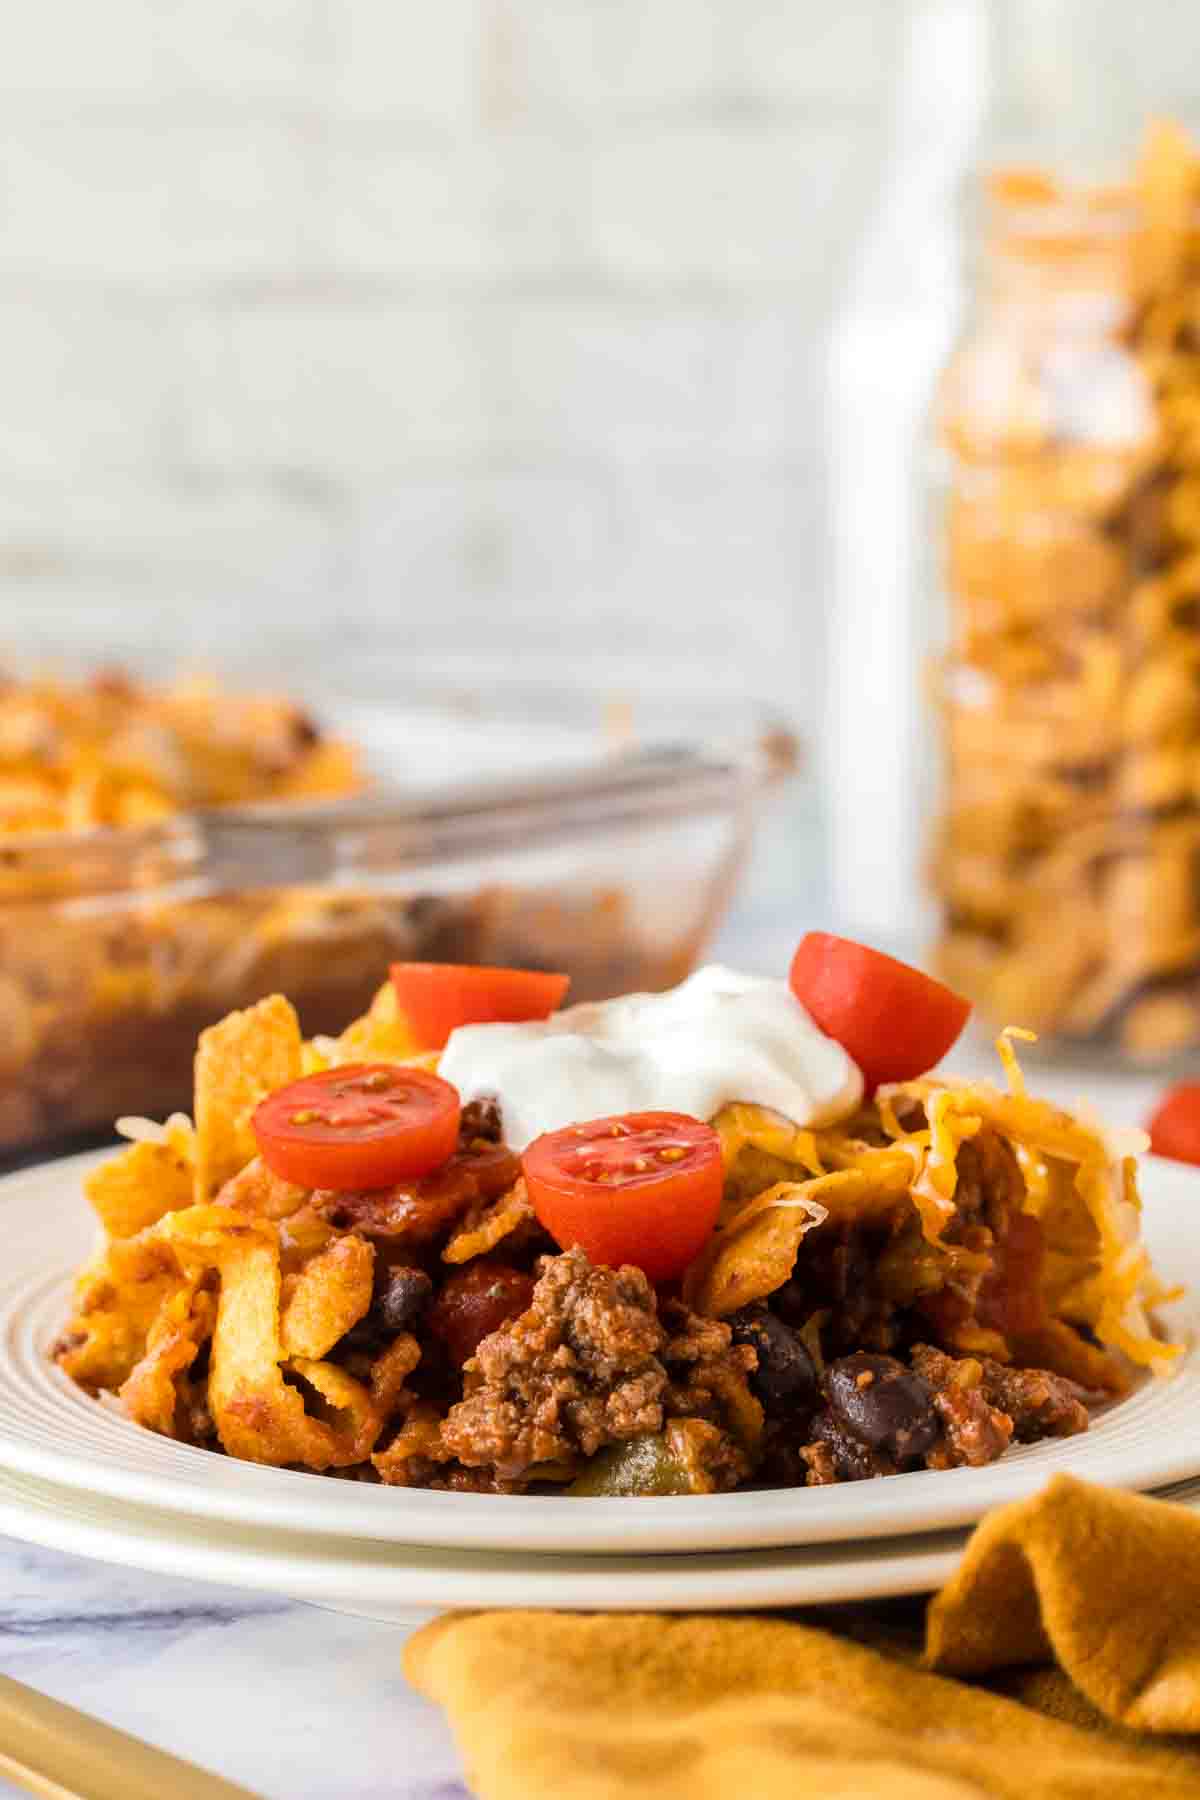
[[579, 1370], [1037, 1403], [990, 1185], [820, 1465], [708, 1401], [975, 1431], [693, 1340], [715, 1463], [1040, 1404], [454, 1479], [704, 1365], [591, 1363]]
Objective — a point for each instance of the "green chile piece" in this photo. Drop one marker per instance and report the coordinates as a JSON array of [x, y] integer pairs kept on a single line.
[[640, 1465]]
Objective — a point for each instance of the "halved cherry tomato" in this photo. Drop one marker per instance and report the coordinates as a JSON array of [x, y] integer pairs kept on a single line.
[[436, 998], [364, 1125], [895, 1022], [1175, 1126], [644, 1188]]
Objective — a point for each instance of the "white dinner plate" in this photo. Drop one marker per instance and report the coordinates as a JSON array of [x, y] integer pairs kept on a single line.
[[388, 1581], [52, 1431]]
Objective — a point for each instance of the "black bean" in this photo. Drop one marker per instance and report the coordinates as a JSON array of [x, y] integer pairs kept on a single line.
[[785, 1370], [853, 1460], [883, 1404], [402, 1298]]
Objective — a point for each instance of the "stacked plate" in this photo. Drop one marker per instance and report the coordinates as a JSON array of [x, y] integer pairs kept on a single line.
[[76, 1476]]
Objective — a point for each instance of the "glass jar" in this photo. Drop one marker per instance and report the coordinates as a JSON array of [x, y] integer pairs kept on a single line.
[[1067, 852]]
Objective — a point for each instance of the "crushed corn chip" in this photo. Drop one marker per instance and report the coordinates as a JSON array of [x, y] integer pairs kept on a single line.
[[755, 1252], [381, 1035], [154, 1394], [137, 1186], [238, 1063], [484, 1228], [117, 1299], [259, 1415], [331, 1294]]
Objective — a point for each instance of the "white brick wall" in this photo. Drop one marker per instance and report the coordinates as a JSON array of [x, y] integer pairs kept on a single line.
[[342, 387], [149, 204], [404, 60], [382, 323], [146, 56]]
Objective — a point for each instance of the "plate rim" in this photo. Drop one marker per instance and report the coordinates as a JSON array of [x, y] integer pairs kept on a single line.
[[375, 1580]]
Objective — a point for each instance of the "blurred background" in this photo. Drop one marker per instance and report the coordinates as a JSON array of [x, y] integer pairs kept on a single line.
[[346, 340], [333, 325], [339, 324]]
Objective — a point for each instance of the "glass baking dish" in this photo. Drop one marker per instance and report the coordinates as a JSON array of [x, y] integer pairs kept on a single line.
[[582, 843]]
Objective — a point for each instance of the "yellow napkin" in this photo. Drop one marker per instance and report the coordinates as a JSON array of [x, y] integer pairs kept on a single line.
[[1098, 1591]]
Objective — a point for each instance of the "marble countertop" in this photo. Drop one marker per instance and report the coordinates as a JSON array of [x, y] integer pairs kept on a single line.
[[291, 1702]]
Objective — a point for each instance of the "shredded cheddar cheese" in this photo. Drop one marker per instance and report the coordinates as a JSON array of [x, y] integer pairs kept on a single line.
[[1080, 1183]]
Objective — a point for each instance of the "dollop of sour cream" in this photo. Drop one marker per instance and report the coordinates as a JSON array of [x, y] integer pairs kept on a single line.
[[718, 1037]]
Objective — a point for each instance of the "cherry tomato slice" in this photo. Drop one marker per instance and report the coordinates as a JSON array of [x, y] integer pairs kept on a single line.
[[364, 1125], [894, 1021], [1175, 1126], [436, 998], [644, 1188]]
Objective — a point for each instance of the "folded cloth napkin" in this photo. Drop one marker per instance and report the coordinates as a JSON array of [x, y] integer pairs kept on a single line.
[[1080, 1607]]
